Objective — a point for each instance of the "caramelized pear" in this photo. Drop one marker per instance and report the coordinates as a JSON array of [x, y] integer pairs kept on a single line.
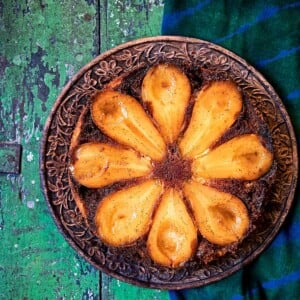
[[221, 217], [123, 119], [216, 108], [173, 237], [78, 130], [124, 216], [73, 145], [167, 89], [97, 164], [243, 157], [79, 202]]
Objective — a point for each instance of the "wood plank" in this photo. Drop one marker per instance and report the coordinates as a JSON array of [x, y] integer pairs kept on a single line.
[[122, 21], [114, 289], [43, 43]]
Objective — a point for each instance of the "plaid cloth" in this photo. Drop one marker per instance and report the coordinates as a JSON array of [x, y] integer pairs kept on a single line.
[[266, 34]]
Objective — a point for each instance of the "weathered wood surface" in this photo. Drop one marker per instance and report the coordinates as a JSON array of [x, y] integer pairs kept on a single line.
[[43, 43]]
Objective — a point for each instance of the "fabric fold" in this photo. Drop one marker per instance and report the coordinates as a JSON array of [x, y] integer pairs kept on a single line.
[[266, 34]]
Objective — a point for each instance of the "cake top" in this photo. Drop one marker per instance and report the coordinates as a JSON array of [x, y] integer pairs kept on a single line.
[[168, 156]]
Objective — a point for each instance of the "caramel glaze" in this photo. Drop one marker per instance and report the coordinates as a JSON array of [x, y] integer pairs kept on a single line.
[[174, 171]]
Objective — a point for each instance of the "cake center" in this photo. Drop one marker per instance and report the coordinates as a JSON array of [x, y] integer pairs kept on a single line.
[[173, 170]]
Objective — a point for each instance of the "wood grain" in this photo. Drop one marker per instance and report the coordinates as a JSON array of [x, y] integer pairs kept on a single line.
[[43, 44]]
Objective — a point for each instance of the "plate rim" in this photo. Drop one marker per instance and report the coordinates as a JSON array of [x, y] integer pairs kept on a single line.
[[280, 105]]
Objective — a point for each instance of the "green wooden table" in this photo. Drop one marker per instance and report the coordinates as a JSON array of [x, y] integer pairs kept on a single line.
[[43, 43]]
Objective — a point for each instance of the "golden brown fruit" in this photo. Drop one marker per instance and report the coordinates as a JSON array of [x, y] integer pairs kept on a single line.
[[95, 165], [78, 130], [243, 157], [216, 108], [221, 217], [167, 89], [122, 118], [173, 237], [79, 202], [124, 216]]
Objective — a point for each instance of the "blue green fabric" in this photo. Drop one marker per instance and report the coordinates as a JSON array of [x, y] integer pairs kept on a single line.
[[266, 34]]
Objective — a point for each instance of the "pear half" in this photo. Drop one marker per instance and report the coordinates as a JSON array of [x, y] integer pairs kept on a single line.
[[221, 217], [217, 106], [173, 236], [78, 200], [123, 119], [96, 165], [243, 157], [124, 216], [167, 89]]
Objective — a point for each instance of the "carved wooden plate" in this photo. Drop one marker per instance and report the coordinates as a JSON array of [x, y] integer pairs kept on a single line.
[[128, 264]]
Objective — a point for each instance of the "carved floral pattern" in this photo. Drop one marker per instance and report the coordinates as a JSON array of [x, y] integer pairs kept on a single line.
[[131, 264]]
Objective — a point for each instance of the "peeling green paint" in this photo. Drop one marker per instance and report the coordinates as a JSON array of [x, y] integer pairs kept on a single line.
[[36, 46], [122, 21]]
